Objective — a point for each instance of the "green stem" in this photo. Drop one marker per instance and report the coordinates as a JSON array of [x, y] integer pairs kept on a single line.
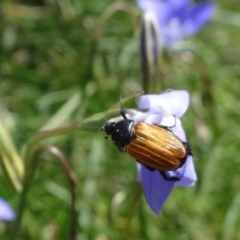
[[30, 165], [72, 185], [30, 168], [21, 207]]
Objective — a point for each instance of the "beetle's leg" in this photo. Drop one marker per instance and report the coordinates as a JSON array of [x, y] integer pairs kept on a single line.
[[164, 127], [122, 149], [188, 148], [164, 175], [167, 127]]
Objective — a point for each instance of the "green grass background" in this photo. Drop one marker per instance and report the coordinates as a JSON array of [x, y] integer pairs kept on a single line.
[[52, 50]]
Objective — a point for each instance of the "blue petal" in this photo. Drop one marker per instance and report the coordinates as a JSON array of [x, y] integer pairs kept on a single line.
[[161, 9], [186, 173], [171, 33], [153, 104], [154, 119], [189, 177], [191, 18], [178, 5], [156, 189], [174, 102], [178, 100], [6, 213], [179, 132], [195, 17]]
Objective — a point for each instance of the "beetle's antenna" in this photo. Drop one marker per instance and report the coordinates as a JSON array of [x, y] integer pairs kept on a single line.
[[122, 110]]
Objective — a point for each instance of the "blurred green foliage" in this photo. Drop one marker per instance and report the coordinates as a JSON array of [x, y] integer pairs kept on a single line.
[[52, 50]]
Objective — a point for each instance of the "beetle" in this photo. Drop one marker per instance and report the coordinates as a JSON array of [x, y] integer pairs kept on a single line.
[[154, 146]]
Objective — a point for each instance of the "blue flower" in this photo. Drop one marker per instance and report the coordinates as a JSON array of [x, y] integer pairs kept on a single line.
[[6, 213], [163, 109], [177, 18]]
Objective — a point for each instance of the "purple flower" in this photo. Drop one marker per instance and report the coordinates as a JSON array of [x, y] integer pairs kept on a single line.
[[164, 109], [6, 213], [177, 18]]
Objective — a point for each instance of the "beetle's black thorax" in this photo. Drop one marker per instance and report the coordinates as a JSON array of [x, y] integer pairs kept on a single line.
[[120, 132]]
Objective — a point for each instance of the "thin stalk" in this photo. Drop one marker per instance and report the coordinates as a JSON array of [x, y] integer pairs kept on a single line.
[[72, 186], [30, 167]]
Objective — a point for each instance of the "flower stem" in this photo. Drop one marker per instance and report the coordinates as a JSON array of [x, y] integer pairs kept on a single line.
[[30, 164]]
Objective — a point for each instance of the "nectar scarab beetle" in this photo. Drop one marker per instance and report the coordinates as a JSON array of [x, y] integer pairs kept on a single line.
[[154, 146]]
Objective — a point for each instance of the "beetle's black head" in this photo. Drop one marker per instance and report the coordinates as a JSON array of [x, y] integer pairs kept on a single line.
[[120, 132]]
